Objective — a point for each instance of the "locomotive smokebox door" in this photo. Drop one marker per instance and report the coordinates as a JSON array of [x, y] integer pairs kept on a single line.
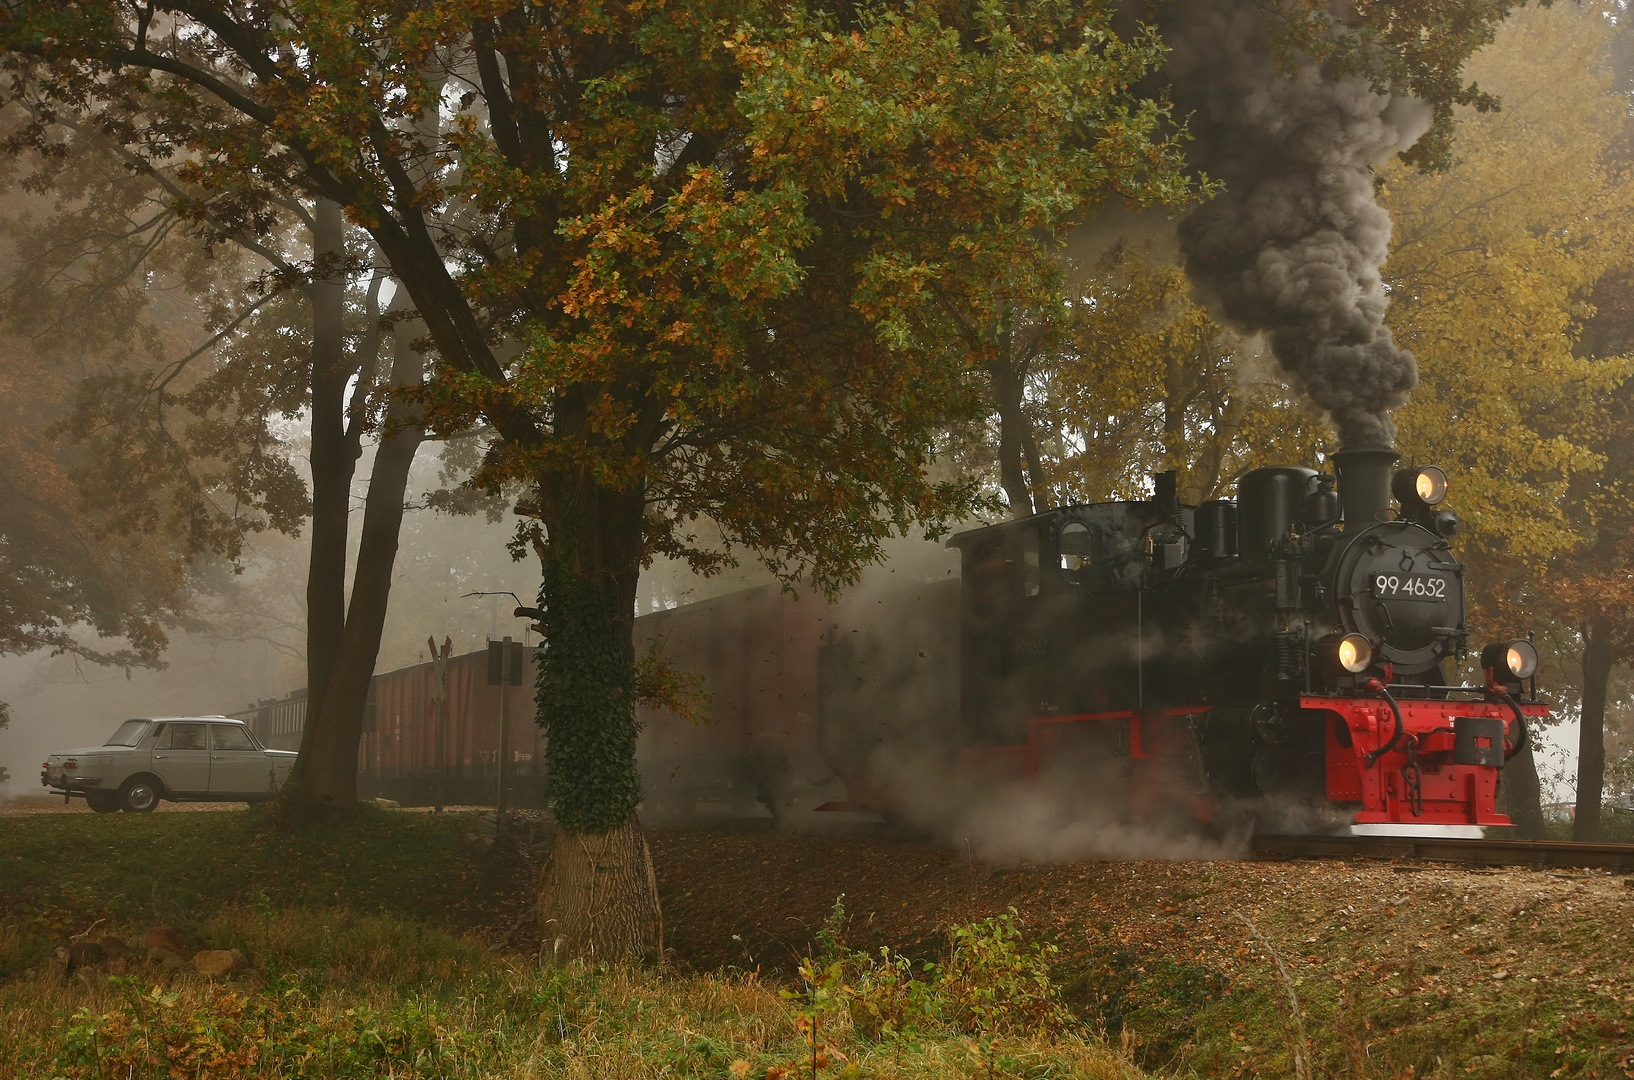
[[1477, 740]]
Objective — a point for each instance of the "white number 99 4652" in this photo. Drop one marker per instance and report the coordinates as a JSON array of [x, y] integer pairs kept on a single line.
[[1411, 586]]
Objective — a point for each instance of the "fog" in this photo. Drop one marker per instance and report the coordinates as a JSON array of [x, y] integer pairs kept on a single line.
[[247, 640]]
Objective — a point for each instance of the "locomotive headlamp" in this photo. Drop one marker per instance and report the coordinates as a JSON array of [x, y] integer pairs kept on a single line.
[[1426, 486], [1517, 659], [1355, 653], [1521, 657], [1431, 485]]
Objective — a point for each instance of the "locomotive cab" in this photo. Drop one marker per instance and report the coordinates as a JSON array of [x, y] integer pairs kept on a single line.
[[1058, 608]]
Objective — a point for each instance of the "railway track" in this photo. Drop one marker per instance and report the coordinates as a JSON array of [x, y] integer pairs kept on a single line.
[[1542, 854]]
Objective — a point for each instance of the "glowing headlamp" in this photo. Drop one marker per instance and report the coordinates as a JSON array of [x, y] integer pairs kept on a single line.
[[1424, 486], [1355, 653], [1512, 660]]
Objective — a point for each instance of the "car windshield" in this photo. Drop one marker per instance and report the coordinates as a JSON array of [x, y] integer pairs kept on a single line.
[[129, 734]]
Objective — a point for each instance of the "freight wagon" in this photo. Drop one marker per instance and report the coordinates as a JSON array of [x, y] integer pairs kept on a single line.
[[785, 677]]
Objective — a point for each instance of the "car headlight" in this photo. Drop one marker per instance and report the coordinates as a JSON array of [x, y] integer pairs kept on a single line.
[[1355, 653]]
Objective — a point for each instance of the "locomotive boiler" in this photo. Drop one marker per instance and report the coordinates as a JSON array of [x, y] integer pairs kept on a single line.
[[1296, 643]]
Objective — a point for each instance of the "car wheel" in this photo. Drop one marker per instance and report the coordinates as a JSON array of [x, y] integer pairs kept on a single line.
[[139, 794], [102, 802]]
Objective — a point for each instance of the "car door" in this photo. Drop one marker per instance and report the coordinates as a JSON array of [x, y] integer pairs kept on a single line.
[[238, 768], [181, 757]]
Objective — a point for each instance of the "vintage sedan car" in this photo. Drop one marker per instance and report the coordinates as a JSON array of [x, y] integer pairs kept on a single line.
[[184, 759]]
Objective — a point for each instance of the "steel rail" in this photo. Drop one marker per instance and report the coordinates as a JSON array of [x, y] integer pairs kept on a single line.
[[1542, 854]]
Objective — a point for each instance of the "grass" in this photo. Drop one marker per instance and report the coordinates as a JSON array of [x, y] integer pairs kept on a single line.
[[350, 995], [1447, 987], [373, 962], [59, 873], [364, 971]]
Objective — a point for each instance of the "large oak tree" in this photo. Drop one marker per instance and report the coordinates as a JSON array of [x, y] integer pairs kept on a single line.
[[702, 264]]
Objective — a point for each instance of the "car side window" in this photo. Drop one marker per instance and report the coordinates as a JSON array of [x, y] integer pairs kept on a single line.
[[230, 737], [181, 737]]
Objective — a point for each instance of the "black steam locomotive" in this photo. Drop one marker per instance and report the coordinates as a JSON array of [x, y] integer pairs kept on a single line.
[[1295, 642]]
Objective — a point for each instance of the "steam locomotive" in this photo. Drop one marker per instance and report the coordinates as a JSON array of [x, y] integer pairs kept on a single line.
[[1293, 644]]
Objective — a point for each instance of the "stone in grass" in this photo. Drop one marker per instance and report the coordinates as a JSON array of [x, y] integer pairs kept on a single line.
[[80, 954], [165, 937], [217, 963], [113, 948], [168, 959]]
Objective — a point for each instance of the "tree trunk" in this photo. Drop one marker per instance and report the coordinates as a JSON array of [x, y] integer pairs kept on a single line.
[[333, 464], [329, 743], [1591, 738], [598, 898], [1522, 794], [1012, 426]]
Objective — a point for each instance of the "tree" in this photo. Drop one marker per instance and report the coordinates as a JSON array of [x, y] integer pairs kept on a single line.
[[718, 232], [1141, 379], [178, 438], [1490, 267], [69, 575], [60, 571]]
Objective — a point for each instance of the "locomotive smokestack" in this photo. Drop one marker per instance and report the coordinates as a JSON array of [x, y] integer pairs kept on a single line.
[[1364, 483]]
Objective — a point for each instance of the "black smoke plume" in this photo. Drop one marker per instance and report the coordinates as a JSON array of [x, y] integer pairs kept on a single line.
[[1293, 245]]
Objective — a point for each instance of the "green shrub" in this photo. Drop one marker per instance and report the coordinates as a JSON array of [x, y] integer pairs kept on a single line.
[[990, 984]]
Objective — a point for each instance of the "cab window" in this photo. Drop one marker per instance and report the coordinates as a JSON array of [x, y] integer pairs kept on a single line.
[[1077, 552], [230, 737], [181, 737]]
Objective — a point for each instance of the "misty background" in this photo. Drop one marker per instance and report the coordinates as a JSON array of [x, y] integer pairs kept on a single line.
[[241, 638]]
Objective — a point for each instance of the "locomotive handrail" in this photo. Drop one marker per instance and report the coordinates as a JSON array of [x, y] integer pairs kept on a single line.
[[1414, 689]]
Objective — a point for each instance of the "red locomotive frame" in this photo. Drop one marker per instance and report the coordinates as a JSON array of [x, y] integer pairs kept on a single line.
[[1414, 781]]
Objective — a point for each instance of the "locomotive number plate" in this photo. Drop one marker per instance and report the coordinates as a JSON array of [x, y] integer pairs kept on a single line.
[[1410, 587]]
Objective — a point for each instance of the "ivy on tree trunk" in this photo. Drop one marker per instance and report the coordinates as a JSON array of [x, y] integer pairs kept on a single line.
[[586, 698], [598, 897]]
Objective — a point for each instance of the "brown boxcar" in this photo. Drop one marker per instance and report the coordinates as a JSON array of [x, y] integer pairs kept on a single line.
[[757, 756]]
